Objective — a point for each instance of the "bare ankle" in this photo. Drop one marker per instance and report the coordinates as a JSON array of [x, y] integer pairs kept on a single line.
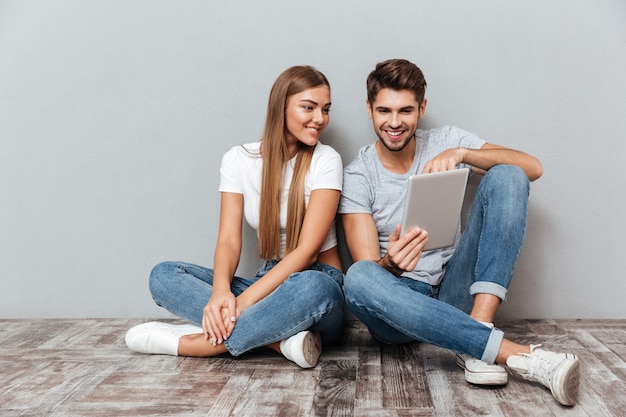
[[485, 307], [196, 345]]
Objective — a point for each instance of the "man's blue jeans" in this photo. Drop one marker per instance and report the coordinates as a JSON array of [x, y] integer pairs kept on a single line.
[[311, 299], [401, 310]]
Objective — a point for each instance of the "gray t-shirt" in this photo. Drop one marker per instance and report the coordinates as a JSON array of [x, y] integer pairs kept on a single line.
[[370, 188]]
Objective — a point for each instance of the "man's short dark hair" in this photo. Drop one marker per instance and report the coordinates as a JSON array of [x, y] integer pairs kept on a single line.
[[396, 74]]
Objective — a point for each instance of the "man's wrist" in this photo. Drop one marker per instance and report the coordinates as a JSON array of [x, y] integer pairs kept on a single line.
[[386, 263]]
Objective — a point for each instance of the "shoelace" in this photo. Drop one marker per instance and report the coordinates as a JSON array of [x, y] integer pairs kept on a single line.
[[540, 367]]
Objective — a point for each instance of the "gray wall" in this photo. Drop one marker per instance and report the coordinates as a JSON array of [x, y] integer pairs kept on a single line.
[[114, 116]]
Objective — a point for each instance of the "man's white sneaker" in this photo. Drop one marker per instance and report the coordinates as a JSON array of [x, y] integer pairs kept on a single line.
[[557, 371], [481, 373], [158, 338], [303, 348]]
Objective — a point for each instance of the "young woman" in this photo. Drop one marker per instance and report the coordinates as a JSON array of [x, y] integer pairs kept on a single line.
[[287, 186]]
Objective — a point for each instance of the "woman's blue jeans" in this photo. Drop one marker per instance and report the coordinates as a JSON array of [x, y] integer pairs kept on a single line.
[[311, 299], [401, 310]]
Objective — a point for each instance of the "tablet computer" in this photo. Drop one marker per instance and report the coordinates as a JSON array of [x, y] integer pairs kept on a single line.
[[433, 203]]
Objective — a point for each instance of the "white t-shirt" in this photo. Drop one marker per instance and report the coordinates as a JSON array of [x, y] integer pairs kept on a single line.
[[241, 173]]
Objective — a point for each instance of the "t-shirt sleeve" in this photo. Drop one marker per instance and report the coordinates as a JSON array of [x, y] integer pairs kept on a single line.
[[230, 173], [356, 196], [327, 170], [465, 139]]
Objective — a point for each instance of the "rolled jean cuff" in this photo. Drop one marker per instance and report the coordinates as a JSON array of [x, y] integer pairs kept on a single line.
[[493, 346], [486, 287]]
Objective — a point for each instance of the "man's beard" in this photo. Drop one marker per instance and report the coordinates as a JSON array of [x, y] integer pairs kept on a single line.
[[399, 147]]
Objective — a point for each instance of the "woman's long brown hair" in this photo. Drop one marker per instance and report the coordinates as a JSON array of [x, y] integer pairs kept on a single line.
[[275, 158]]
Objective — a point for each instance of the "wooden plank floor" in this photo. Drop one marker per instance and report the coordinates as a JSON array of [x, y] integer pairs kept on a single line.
[[83, 368]]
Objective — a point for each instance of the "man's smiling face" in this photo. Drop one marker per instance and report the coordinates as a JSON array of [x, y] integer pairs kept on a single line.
[[395, 115]]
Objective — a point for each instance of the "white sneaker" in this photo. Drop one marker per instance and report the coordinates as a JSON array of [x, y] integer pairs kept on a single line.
[[303, 348], [158, 338], [557, 371], [481, 373]]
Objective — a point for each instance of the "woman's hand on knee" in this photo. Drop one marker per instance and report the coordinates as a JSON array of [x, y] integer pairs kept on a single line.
[[219, 315]]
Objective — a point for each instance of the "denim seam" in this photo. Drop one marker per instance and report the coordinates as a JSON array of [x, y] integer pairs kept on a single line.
[[189, 267], [484, 206]]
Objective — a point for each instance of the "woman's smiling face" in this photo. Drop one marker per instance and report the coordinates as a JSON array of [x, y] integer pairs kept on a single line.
[[307, 115]]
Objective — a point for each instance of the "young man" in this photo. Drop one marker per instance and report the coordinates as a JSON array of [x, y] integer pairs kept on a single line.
[[447, 297]]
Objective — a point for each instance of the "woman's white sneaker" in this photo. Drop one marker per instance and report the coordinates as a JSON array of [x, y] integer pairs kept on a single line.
[[303, 348], [158, 338]]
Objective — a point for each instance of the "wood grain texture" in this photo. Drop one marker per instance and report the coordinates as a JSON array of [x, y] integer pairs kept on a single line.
[[83, 368]]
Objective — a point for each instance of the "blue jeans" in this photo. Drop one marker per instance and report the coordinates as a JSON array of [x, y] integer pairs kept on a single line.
[[311, 299], [401, 310]]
